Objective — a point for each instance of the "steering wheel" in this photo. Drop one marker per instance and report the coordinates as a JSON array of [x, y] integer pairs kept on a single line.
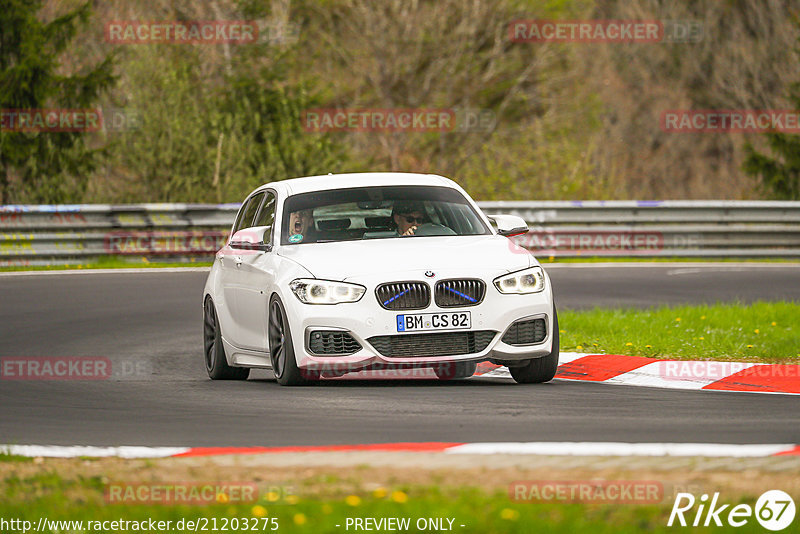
[[428, 229]]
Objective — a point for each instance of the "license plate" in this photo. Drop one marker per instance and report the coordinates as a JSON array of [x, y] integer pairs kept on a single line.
[[414, 322]]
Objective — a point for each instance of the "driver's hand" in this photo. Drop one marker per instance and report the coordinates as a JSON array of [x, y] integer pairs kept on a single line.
[[410, 231]]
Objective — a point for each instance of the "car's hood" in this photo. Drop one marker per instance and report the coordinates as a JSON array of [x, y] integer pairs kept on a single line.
[[350, 259]]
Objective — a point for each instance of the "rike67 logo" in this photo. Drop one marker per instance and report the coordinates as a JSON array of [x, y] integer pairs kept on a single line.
[[774, 510]]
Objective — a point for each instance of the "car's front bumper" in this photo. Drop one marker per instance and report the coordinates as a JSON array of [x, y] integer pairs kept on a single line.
[[366, 319]]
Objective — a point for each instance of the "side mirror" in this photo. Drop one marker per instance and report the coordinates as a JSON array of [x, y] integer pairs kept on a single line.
[[251, 239], [510, 225]]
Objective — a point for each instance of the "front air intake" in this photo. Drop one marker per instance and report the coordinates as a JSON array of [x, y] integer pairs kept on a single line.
[[332, 343], [526, 332], [437, 344]]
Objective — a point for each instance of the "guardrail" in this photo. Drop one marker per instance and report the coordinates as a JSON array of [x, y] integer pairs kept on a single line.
[[58, 234]]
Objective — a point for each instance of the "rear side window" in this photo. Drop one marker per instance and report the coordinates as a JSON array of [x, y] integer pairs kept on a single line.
[[248, 213]]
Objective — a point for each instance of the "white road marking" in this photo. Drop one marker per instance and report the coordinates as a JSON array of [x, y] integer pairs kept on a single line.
[[657, 374], [57, 451], [715, 450], [622, 449]]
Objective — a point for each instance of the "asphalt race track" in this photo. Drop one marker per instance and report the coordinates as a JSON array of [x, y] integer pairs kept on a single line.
[[149, 326]]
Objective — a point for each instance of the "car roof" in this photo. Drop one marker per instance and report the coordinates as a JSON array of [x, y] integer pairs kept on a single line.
[[309, 184]]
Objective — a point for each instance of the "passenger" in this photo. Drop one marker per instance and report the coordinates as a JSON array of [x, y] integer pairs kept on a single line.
[[407, 216], [301, 227]]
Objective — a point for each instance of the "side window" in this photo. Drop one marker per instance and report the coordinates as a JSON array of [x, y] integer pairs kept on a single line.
[[248, 213], [266, 217]]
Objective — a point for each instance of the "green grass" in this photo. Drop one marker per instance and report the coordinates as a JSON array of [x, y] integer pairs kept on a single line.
[[49, 496], [109, 262], [759, 332], [6, 457]]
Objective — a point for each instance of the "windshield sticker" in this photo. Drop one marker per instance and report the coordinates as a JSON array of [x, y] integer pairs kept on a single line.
[[296, 238]]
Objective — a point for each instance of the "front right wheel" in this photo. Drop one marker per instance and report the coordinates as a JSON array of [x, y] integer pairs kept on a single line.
[[281, 349], [538, 370]]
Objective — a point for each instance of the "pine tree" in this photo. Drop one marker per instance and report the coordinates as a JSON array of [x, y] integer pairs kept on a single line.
[[47, 166], [780, 175]]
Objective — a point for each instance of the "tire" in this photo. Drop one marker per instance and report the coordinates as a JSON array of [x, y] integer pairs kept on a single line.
[[216, 363], [281, 349], [450, 371], [542, 369]]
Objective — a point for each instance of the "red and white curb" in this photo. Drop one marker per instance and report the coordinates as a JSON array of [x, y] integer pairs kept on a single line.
[[716, 450], [671, 374]]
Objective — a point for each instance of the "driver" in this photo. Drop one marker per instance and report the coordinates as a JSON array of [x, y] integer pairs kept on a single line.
[[407, 216], [301, 227]]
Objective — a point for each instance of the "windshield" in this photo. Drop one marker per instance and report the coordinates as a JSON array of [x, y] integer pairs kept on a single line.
[[378, 213]]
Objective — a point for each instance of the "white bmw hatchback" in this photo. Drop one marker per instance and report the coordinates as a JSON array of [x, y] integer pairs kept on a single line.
[[327, 275]]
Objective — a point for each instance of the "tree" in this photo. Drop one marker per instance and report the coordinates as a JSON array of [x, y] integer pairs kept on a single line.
[[780, 175], [49, 166], [218, 122]]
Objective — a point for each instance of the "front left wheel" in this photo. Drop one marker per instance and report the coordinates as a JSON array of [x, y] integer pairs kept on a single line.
[[216, 363], [542, 369]]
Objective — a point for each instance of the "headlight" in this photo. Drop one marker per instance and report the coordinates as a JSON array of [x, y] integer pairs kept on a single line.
[[526, 281], [313, 291]]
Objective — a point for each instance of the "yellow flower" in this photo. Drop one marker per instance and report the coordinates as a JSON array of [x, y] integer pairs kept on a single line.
[[629, 344], [701, 337], [258, 511], [579, 347], [595, 344], [774, 323], [327, 509], [756, 330], [677, 319], [509, 514], [702, 317], [379, 493], [749, 346], [562, 331], [292, 499], [299, 519], [399, 496], [648, 346], [352, 500], [272, 496], [222, 498]]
